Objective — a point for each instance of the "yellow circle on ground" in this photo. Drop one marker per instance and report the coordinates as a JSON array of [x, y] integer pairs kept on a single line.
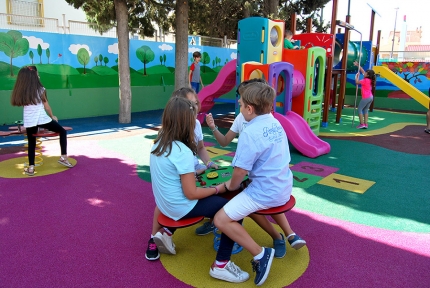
[[195, 255], [212, 175], [14, 168]]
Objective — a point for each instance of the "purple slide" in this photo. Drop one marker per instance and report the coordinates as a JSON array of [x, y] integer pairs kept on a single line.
[[224, 82], [301, 136]]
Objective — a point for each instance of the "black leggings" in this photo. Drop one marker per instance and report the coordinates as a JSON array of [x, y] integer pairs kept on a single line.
[[51, 126]]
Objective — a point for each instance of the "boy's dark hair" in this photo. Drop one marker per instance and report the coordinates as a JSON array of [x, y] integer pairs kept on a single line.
[[27, 90], [177, 124], [288, 33], [371, 75], [260, 96], [197, 54]]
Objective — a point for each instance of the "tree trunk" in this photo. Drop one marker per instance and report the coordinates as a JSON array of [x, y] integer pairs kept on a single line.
[[273, 8], [123, 61], [181, 49]]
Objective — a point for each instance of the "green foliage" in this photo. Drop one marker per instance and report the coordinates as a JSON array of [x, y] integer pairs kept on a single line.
[[106, 60], [100, 59], [96, 59], [161, 60], [83, 57], [145, 55], [13, 45], [164, 58]]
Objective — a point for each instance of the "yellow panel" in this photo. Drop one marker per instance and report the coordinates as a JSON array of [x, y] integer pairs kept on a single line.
[[213, 152], [274, 51], [343, 182]]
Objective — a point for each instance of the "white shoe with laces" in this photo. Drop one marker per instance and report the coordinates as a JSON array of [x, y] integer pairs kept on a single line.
[[230, 273], [164, 243]]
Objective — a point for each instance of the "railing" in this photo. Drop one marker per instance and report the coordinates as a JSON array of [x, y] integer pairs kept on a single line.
[[84, 28], [404, 56], [41, 24], [30, 23]]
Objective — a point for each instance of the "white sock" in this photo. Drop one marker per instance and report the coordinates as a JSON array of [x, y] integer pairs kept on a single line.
[[259, 256]]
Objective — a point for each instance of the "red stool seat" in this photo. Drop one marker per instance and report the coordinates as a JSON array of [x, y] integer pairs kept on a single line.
[[165, 221], [280, 209]]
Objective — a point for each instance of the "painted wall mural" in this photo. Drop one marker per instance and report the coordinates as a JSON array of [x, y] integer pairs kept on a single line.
[[67, 61]]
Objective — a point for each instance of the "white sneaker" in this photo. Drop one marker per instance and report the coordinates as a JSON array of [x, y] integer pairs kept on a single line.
[[230, 273], [164, 243]]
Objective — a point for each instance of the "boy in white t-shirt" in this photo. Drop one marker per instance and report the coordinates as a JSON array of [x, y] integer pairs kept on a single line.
[[236, 128], [263, 154]]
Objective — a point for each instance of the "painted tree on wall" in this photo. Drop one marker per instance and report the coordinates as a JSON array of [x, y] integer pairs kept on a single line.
[[96, 59], [145, 55], [31, 55], [206, 59], [83, 57], [164, 58], [48, 53], [411, 70], [13, 45], [161, 60], [39, 52], [106, 60]]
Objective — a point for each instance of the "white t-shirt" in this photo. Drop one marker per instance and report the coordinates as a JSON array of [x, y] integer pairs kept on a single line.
[[166, 180], [35, 114], [263, 151], [239, 124], [198, 135]]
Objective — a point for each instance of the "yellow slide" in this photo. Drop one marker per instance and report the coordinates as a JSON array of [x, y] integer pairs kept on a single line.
[[402, 85]]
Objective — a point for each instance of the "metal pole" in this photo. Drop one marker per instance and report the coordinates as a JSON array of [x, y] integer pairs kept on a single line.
[[394, 34], [356, 86]]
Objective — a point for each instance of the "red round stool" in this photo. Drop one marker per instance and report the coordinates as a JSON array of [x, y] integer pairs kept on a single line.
[[165, 221], [280, 209]]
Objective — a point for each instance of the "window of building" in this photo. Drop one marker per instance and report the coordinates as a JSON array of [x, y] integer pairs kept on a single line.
[[25, 12]]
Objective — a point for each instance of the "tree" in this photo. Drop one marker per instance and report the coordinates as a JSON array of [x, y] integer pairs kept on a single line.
[[164, 58], [145, 55], [39, 52], [106, 60], [181, 47], [100, 59], [31, 54], [205, 60], [48, 53], [83, 57], [96, 59], [161, 60], [13, 45]]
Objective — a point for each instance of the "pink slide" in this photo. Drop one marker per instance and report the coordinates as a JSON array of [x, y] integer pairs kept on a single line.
[[224, 82], [301, 136]]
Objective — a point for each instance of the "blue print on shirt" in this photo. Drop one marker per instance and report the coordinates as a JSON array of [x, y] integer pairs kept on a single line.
[[274, 133]]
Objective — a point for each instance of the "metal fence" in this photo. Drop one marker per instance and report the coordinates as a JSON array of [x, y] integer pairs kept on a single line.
[[41, 24], [30, 23], [404, 56]]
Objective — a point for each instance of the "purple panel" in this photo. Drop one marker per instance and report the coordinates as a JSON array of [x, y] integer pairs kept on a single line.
[[274, 70], [314, 169]]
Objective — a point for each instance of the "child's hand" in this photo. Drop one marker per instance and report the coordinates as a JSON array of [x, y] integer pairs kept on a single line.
[[210, 121], [213, 165], [357, 75], [55, 118], [355, 63]]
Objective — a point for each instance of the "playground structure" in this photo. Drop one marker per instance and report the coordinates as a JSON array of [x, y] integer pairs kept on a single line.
[[296, 76]]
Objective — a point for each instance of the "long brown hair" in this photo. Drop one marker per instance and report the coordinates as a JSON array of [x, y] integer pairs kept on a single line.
[[28, 90], [177, 124], [183, 92]]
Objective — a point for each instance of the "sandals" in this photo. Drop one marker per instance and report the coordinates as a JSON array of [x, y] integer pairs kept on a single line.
[[65, 162], [427, 131], [29, 170]]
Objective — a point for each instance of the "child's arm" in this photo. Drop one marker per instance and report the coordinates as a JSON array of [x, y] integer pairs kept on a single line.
[[223, 140], [237, 178], [192, 192], [357, 78], [49, 110], [361, 68], [204, 155]]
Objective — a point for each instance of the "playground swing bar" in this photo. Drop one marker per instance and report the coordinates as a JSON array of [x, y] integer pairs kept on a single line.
[[350, 27]]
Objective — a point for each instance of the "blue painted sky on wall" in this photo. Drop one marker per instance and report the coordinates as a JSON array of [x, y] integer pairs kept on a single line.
[[64, 47]]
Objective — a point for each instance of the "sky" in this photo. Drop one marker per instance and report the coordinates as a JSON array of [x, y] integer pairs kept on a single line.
[[416, 11]]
